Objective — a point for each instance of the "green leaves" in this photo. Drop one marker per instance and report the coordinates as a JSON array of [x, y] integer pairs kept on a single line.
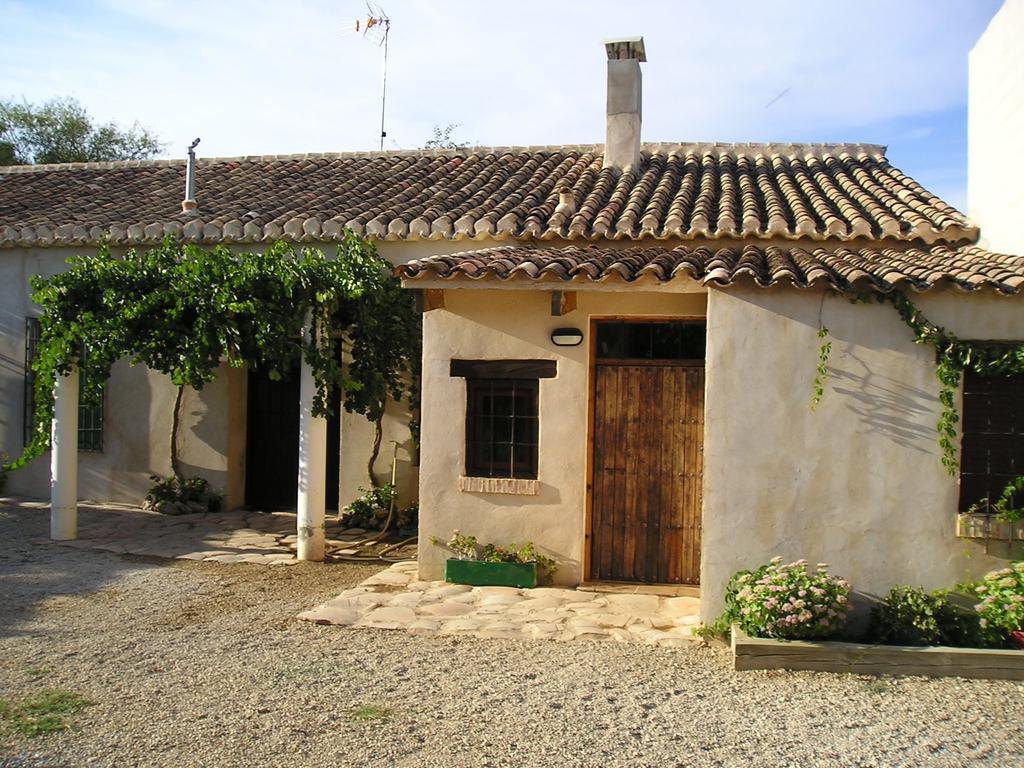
[[911, 616], [182, 310], [821, 371], [61, 131]]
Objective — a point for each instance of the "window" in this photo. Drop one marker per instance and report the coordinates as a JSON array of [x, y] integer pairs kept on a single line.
[[656, 340], [502, 422], [992, 450], [501, 428], [90, 417]]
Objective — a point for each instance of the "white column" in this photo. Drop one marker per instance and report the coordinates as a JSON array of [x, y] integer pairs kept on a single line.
[[64, 459], [312, 467]]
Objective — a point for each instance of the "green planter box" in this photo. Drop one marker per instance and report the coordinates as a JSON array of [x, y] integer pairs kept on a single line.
[[490, 574]]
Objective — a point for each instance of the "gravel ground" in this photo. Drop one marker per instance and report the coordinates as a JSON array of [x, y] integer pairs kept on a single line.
[[201, 664]]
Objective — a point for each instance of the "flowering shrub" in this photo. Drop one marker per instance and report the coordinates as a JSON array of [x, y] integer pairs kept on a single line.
[[1002, 598], [788, 601]]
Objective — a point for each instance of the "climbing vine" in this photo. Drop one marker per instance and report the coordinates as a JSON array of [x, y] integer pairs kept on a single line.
[[182, 310], [821, 371]]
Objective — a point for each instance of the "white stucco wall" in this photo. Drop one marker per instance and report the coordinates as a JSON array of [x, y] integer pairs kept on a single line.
[[858, 482], [513, 324], [995, 125]]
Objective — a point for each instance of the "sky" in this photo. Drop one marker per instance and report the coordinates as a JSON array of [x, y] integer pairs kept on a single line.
[[292, 76]]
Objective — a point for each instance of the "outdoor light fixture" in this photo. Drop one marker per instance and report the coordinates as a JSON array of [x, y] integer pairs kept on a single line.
[[566, 337]]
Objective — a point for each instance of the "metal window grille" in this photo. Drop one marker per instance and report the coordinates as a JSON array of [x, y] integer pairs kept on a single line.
[[28, 397], [992, 446], [501, 428], [90, 417]]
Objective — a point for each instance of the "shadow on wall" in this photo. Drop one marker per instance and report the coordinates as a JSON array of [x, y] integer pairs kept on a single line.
[[121, 471], [885, 405], [202, 424], [547, 494]]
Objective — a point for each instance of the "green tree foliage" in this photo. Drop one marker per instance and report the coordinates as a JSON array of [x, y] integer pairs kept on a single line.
[[61, 131], [181, 310]]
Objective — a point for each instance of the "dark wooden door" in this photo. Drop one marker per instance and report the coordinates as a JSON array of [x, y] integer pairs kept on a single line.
[[647, 470], [272, 445]]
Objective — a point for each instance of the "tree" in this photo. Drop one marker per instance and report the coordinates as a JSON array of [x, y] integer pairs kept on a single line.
[[443, 138], [62, 131]]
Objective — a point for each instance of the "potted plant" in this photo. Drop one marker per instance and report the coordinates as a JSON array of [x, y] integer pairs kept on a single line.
[[494, 565]]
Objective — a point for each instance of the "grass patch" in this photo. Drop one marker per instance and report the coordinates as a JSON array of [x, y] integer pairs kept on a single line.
[[45, 712], [877, 685], [370, 713]]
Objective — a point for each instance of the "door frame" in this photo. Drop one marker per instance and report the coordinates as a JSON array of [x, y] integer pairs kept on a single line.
[[588, 521]]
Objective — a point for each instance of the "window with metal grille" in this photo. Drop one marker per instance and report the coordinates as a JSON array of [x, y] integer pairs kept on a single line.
[[992, 448], [501, 428], [90, 417]]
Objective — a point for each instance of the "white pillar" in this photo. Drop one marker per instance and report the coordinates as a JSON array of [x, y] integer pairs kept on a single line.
[[312, 467], [64, 459]]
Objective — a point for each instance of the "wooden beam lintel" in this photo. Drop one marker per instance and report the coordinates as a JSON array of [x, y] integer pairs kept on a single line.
[[433, 298], [562, 303]]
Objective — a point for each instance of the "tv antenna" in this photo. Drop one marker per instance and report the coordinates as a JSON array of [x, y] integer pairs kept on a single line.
[[376, 28]]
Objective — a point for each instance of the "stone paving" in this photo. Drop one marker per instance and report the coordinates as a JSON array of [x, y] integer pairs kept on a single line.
[[265, 538], [396, 599]]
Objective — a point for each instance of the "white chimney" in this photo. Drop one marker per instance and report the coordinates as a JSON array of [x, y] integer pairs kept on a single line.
[[625, 96]]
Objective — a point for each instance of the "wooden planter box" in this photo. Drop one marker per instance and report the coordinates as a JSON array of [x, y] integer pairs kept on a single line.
[[975, 526], [490, 574], [829, 656]]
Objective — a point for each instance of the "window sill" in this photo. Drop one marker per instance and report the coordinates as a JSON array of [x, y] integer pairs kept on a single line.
[[975, 526], [518, 486]]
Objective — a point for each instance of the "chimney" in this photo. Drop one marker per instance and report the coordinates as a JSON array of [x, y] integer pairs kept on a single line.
[[622, 138], [189, 203]]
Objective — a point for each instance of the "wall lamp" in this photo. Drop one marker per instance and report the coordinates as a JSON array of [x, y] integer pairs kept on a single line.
[[566, 337]]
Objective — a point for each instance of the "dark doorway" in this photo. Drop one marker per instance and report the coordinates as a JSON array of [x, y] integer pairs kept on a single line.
[[272, 444]]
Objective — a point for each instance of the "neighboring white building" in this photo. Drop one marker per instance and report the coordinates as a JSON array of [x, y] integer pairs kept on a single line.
[[995, 127]]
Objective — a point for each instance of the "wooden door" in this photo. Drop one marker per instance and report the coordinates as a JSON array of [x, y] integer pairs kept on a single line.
[[647, 469]]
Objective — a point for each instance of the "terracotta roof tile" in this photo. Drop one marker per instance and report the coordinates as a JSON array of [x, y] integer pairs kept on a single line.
[[918, 267], [679, 191]]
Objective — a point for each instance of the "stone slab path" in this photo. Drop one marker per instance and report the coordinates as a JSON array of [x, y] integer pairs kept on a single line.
[[265, 538], [396, 599]]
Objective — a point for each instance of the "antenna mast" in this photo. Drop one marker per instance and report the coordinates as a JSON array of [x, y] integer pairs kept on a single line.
[[377, 28]]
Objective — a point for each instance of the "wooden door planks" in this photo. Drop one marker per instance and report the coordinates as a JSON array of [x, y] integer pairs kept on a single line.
[[646, 493]]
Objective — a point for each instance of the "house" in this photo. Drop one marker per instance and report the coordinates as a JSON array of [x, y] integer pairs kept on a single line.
[[631, 388], [621, 343]]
